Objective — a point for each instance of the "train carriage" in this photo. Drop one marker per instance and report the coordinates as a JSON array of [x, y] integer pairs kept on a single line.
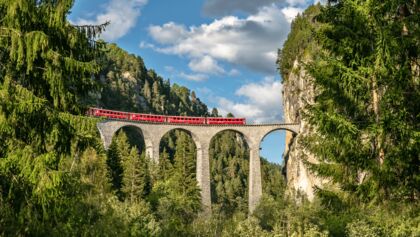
[[217, 120], [109, 113], [147, 118], [185, 120]]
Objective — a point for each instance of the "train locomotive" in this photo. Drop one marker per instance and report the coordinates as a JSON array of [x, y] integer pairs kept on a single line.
[[152, 118]]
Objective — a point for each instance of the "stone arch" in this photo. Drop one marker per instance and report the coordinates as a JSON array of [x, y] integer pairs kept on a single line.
[[246, 139], [129, 130], [289, 136], [194, 137], [245, 135], [266, 133], [108, 129]]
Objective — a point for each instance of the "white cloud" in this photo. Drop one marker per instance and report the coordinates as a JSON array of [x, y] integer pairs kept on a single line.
[[168, 33], [169, 69], [193, 77], [263, 102], [234, 72], [291, 12], [122, 14], [145, 45], [251, 42], [205, 64]]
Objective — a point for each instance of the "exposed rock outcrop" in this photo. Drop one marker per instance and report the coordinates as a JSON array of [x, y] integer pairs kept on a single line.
[[298, 91]]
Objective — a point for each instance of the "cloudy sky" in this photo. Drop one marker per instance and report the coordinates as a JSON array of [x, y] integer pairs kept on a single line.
[[224, 50]]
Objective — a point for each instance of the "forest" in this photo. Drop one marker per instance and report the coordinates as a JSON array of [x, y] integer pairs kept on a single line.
[[56, 179]]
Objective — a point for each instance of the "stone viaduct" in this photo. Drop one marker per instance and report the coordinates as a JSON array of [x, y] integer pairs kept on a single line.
[[202, 135]]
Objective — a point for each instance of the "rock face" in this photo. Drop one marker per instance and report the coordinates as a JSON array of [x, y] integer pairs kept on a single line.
[[298, 91]]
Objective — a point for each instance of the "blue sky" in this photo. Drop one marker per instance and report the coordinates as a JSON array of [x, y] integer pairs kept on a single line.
[[224, 50]]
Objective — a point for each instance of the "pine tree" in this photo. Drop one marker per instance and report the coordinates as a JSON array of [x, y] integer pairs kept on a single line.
[[94, 174], [136, 179], [366, 111], [184, 165], [229, 160], [118, 150], [165, 166], [46, 71]]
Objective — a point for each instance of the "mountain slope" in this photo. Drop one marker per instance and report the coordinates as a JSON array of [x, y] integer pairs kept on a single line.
[[126, 84]]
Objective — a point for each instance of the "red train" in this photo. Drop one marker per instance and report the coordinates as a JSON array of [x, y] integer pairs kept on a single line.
[[112, 114]]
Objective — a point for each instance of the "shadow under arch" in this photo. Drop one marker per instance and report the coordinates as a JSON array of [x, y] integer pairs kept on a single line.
[[171, 134], [247, 139], [135, 136]]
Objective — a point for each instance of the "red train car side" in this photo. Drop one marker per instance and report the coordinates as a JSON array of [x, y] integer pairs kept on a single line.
[[110, 114], [185, 120], [239, 121], [148, 118]]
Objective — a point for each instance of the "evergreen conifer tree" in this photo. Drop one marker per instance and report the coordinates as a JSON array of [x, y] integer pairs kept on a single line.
[[46, 71], [184, 165], [165, 166], [366, 110], [136, 179]]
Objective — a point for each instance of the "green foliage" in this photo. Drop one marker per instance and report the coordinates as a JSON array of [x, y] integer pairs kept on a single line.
[[229, 168], [300, 43], [47, 55], [46, 71], [136, 178], [363, 58], [175, 194], [273, 182], [118, 150], [366, 109]]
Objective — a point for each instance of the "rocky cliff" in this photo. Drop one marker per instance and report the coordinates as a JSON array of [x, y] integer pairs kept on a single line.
[[298, 91]]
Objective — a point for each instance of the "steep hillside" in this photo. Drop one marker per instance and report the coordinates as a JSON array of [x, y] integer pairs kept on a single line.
[[126, 84]]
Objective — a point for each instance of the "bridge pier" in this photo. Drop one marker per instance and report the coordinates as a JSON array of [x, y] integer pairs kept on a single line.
[[203, 175], [152, 148], [255, 186]]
